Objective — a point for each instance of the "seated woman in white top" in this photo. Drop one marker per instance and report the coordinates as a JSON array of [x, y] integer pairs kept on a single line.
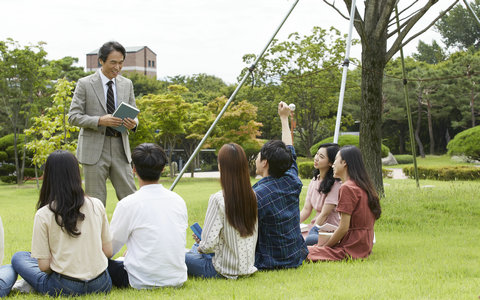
[[229, 236], [322, 193], [71, 238]]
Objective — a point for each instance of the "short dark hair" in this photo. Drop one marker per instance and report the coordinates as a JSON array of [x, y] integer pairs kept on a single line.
[[108, 48], [149, 160], [278, 156]]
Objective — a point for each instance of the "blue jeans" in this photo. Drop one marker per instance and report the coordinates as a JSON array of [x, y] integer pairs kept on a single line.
[[200, 264], [8, 276], [54, 284], [312, 237]]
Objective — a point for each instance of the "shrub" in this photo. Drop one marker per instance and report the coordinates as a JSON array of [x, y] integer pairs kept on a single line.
[[305, 170], [466, 143], [9, 179], [7, 169], [343, 140], [387, 173], [404, 159], [444, 173], [7, 140], [3, 156]]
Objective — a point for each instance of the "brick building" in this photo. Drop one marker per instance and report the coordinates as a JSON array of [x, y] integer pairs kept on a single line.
[[139, 59]]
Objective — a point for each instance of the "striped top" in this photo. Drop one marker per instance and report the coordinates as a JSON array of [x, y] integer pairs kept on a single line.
[[234, 255]]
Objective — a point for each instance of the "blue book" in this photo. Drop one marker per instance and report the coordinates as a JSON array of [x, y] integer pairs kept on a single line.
[[197, 230], [125, 110]]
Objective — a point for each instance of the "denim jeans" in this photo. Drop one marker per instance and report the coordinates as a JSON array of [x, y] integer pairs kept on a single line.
[[200, 264], [54, 284], [8, 276], [312, 237]]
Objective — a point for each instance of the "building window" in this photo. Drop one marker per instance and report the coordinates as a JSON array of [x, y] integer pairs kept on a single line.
[[149, 63], [153, 63]]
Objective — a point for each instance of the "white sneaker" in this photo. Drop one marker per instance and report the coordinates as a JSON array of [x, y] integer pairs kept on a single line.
[[23, 287]]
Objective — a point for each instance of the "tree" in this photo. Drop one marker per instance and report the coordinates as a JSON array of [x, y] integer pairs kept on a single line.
[[63, 68], [144, 85], [431, 54], [164, 117], [459, 28], [237, 125], [305, 70], [51, 131], [24, 75], [375, 27]]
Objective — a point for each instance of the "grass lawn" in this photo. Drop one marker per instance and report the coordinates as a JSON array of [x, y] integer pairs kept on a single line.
[[435, 161], [428, 247]]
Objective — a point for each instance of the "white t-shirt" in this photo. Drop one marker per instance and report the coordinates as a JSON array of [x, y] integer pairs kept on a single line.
[[153, 223]]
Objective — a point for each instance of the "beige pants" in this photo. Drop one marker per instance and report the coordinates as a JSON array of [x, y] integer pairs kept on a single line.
[[114, 165]]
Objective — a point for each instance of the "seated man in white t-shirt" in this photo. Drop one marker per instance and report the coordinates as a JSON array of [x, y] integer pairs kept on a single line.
[[153, 223]]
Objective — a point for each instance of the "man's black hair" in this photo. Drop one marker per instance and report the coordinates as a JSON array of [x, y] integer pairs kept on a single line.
[[149, 160], [278, 156], [108, 48]]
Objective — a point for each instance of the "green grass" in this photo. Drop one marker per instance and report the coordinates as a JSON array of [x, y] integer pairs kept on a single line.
[[427, 248]]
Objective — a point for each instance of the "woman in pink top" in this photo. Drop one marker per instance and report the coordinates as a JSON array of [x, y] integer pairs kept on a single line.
[[322, 194], [359, 207]]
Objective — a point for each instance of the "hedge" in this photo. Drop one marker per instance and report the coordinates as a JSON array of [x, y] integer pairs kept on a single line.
[[347, 139], [466, 143], [404, 159], [444, 173]]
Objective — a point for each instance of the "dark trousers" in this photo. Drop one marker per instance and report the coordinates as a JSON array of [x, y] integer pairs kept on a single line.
[[118, 273]]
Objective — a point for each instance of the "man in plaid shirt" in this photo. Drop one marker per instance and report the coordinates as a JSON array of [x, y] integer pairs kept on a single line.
[[280, 243]]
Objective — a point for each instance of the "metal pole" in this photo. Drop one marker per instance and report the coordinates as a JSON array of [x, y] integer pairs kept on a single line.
[[346, 62], [471, 10], [407, 102], [250, 70]]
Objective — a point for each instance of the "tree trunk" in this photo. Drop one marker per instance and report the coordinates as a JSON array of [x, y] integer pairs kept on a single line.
[[472, 104], [401, 142], [417, 128], [430, 127], [373, 64]]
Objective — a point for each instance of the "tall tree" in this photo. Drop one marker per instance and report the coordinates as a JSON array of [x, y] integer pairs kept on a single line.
[[459, 27], [305, 70], [24, 75], [375, 26], [431, 54]]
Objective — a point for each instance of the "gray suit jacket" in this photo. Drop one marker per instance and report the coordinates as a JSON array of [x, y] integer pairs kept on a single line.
[[88, 105]]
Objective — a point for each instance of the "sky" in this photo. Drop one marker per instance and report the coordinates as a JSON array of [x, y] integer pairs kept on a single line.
[[188, 36]]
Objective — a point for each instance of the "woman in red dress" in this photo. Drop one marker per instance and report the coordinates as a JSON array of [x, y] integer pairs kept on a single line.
[[359, 207]]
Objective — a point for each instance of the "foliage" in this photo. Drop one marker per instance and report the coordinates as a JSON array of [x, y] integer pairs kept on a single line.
[[404, 158], [305, 170], [459, 28], [24, 75], [163, 117], [144, 85], [344, 140], [447, 173], [7, 159], [63, 68], [51, 131], [306, 71], [201, 87], [431, 54], [466, 143]]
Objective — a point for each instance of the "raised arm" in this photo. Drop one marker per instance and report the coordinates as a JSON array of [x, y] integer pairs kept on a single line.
[[284, 112]]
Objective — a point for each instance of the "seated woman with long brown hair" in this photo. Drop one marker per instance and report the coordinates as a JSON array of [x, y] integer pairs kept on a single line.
[[229, 236], [71, 238]]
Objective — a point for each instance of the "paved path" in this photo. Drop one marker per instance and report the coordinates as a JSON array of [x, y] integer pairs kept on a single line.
[[398, 174]]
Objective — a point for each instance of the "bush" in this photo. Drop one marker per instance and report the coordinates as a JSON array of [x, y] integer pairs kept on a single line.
[[9, 179], [7, 140], [444, 173], [466, 143], [3, 156], [7, 169], [305, 170], [343, 140], [404, 159], [387, 173]]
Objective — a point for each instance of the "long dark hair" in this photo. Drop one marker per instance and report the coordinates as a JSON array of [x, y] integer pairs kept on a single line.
[[358, 174], [239, 197], [62, 190], [328, 180]]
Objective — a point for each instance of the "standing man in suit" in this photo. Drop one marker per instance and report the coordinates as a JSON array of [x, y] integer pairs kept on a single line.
[[103, 151]]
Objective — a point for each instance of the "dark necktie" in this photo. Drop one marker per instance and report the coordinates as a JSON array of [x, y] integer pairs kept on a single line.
[[110, 106]]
